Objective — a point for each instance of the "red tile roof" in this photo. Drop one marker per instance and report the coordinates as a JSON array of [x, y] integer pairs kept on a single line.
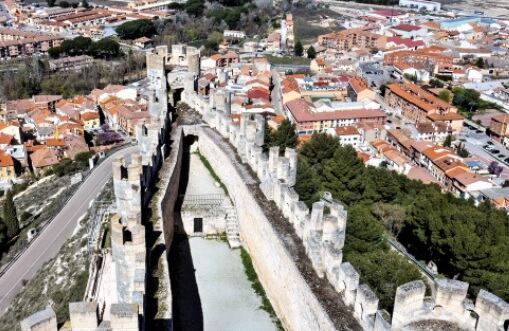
[[406, 27], [301, 112]]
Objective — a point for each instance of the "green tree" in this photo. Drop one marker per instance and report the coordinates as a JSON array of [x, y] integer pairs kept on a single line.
[[342, 175], [436, 83], [307, 184], [64, 4], [136, 29], [462, 151], [51, 3], [480, 63], [320, 148], [364, 233], [284, 136], [311, 52], [106, 48], [10, 217], [77, 46], [213, 40], [82, 158], [384, 280], [466, 99], [195, 7], [85, 4], [448, 141], [298, 49], [445, 95]]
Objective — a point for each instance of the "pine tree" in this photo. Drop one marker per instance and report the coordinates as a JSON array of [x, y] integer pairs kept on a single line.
[[284, 136], [299, 50], [10, 218], [311, 52]]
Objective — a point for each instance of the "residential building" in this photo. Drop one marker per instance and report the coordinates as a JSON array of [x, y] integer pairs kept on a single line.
[[70, 62], [358, 90], [91, 120], [234, 34], [346, 40], [432, 6], [43, 159], [499, 126], [422, 59], [7, 169], [308, 120], [348, 135], [418, 106], [409, 31]]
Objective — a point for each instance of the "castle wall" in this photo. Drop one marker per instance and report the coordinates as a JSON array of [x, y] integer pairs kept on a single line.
[[323, 238], [295, 304], [169, 185]]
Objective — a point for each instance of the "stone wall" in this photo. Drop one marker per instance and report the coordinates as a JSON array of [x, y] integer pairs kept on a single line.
[[295, 304], [323, 238], [134, 184]]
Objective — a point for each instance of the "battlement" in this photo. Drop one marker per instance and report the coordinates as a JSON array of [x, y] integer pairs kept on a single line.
[[323, 237]]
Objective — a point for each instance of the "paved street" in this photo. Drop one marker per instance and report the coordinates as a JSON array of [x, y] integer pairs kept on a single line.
[[48, 243], [276, 92], [474, 142]]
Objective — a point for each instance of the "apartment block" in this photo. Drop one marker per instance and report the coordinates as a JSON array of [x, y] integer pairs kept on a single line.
[[347, 39], [420, 106]]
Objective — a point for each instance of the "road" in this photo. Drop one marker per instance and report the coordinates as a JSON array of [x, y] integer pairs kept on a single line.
[[277, 101], [46, 246], [474, 142]]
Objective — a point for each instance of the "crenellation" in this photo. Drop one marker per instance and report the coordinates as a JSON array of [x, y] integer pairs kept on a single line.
[[83, 316], [381, 321], [366, 306], [323, 238], [332, 258], [300, 217], [409, 299], [348, 282], [273, 159], [449, 295], [316, 220], [493, 312], [291, 155], [313, 247], [124, 317], [44, 320]]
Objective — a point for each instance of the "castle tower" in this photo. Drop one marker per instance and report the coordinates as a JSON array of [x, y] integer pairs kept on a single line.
[[126, 185], [193, 60]]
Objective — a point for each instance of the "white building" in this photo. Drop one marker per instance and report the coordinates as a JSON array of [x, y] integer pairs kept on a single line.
[[420, 4], [347, 135], [234, 34]]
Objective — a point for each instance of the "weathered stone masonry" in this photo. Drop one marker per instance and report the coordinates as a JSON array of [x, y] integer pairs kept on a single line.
[[323, 238]]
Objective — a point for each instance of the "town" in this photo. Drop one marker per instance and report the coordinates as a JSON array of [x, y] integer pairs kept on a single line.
[[379, 131]]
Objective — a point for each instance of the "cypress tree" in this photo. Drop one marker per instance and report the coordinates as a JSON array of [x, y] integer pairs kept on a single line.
[[299, 50], [10, 218]]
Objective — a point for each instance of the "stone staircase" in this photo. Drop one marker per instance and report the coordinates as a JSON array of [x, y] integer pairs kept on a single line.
[[232, 224]]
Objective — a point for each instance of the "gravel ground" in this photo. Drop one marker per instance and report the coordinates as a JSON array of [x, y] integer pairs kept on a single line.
[[228, 302]]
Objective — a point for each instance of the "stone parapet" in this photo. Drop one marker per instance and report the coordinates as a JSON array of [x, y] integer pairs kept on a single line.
[[323, 237]]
